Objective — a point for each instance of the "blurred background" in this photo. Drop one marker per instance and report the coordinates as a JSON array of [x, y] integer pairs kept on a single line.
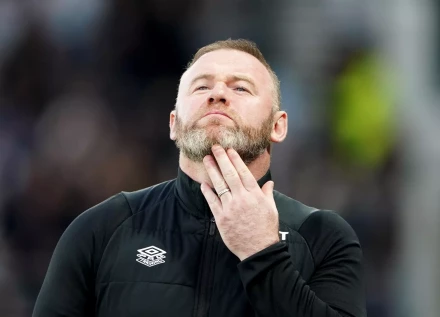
[[86, 87]]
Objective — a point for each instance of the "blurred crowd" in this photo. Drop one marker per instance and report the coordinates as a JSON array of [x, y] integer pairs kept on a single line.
[[86, 87]]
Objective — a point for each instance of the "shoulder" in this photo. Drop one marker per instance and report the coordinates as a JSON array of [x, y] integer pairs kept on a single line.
[[292, 212], [322, 230], [327, 223], [329, 236], [108, 214], [150, 196], [92, 229], [82, 242], [306, 219]]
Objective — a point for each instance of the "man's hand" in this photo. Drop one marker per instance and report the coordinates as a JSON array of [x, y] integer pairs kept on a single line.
[[246, 216]]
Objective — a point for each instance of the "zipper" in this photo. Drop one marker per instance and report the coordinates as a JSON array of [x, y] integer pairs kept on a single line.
[[206, 276], [212, 226]]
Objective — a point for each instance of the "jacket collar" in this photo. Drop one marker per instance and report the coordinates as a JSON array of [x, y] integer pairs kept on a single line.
[[188, 191]]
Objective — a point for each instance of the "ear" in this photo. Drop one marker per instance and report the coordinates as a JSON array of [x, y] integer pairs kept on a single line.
[[279, 129], [173, 125]]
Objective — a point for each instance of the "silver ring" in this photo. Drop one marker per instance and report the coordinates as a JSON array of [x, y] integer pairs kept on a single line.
[[224, 191]]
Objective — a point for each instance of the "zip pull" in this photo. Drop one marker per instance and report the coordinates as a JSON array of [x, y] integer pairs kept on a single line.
[[212, 226]]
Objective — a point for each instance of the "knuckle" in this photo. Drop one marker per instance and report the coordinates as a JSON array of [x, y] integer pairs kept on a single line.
[[242, 200], [220, 220], [217, 149], [242, 171], [220, 185], [213, 200], [230, 174]]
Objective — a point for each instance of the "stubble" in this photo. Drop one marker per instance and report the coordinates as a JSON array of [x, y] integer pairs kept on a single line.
[[195, 141]]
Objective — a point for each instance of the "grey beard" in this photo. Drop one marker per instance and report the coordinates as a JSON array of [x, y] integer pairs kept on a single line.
[[196, 143]]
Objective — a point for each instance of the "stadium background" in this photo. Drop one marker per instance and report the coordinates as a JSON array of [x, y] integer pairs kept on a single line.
[[86, 87]]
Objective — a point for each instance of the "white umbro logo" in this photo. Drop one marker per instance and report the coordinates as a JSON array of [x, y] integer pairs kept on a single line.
[[151, 256]]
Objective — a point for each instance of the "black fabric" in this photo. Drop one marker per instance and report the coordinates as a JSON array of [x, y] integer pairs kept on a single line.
[[193, 201], [316, 271]]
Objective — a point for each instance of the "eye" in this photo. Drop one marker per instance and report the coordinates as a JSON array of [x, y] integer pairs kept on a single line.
[[242, 89], [202, 88]]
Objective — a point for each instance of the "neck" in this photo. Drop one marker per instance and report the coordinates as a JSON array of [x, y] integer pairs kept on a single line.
[[197, 170]]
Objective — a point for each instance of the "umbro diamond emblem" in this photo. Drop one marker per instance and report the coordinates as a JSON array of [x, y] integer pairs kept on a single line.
[[151, 256]]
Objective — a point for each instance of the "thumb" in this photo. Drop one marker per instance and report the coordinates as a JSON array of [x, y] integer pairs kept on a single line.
[[268, 189]]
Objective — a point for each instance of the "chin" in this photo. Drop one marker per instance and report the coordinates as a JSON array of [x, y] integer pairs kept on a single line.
[[218, 132]]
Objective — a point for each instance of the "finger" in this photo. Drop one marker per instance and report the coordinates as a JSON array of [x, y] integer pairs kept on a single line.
[[246, 177], [227, 169], [268, 189], [216, 177], [213, 201]]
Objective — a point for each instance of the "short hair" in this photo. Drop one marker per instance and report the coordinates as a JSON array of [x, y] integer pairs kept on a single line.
[[247, 47]]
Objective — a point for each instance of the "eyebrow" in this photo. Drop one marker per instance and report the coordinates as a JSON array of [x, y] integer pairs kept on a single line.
[[234, 78]]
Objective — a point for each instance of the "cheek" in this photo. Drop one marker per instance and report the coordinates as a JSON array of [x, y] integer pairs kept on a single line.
[[196, 105], [190, 108], [252, 111]]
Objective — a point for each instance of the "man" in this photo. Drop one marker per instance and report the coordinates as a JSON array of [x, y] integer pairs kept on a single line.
[[217, 240]]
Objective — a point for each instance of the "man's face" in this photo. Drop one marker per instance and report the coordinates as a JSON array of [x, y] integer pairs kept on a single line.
[[225, 98]]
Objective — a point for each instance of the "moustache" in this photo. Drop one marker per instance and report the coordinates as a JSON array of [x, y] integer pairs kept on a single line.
[[227, 112]]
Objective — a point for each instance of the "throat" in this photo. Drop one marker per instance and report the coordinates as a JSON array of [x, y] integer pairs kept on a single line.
[[197, 171]]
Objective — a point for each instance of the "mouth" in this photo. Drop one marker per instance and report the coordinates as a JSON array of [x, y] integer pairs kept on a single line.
[[217, 113]]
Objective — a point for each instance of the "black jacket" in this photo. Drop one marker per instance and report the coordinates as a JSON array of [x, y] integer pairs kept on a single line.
[[157, 252]]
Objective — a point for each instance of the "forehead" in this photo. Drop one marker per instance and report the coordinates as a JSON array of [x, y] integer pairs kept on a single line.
[[226, 62]]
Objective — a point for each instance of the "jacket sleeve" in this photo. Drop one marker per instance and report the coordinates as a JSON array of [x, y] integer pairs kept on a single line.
[[275, 287], [68, 288]]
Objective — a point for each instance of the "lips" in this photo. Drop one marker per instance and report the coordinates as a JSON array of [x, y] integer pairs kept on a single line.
[[217, 112]]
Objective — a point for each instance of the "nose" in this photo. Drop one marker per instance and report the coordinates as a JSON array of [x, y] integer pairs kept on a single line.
[[218, 95]]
